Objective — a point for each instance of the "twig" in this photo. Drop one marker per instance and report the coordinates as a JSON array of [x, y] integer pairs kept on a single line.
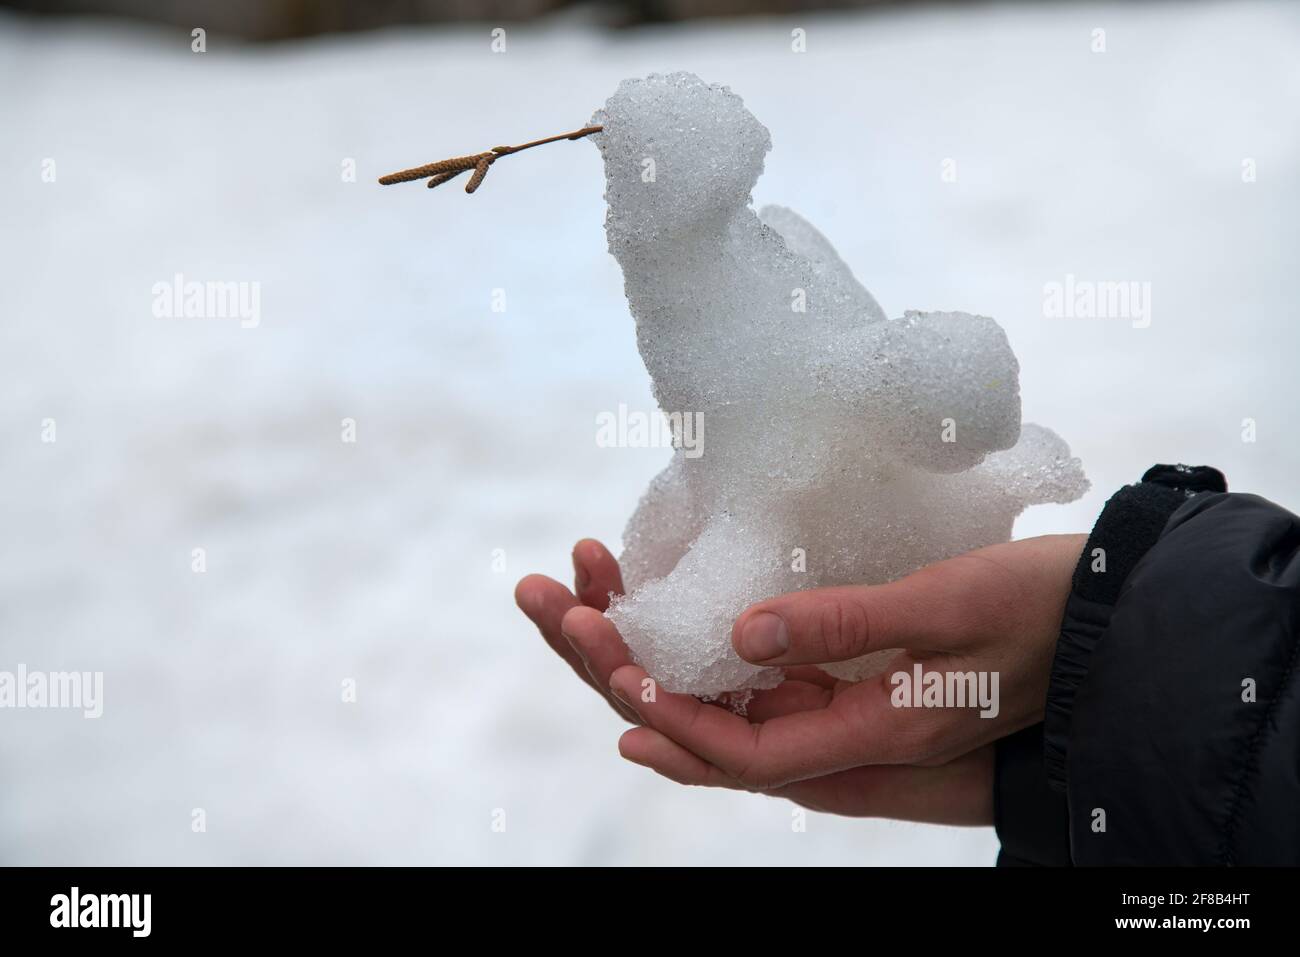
[[444, 170]]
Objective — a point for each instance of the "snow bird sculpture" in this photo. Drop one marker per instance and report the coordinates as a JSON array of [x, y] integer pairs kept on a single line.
[[838, 446]]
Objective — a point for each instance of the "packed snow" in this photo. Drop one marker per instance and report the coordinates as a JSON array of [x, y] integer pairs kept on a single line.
[[833, 446]]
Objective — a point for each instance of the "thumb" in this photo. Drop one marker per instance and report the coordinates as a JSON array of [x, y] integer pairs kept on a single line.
[[924, 611]]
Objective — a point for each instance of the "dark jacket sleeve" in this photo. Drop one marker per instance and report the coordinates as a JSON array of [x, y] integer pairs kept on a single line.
[[1172, 728], [1030, 817]]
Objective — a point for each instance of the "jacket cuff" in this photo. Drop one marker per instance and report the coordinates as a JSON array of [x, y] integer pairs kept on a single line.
[[1031, 820], [1132, 521]]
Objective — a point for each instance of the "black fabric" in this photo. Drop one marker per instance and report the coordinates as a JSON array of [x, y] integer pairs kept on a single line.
[[1128, 526], [1161, 741], [1193, 478], [1084, 623], [1164, 756], [1029, 818]]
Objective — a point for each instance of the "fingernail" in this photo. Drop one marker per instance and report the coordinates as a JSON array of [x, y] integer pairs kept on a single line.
[[621, 696], [581, 576], [530, 606], [574, 644], [764, 636]]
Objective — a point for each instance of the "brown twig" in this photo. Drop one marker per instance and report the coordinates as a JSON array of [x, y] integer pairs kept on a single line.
[[444, 170]]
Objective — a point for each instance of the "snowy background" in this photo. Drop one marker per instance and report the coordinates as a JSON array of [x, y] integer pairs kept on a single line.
[[475, 429]]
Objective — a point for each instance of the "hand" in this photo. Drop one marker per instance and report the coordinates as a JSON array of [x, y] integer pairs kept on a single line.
[[574, 625], [959, 792], [547, 604], [997, 609]]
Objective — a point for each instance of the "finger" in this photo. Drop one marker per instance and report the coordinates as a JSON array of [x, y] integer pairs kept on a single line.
[[545, 602], [813, 676], [596, 574], [959, 793], [942, 607], [859, 725], [785, 749], [650, 749], [594, 639], [788, 697]]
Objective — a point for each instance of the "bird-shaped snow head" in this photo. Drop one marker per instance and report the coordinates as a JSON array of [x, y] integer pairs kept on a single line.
[[679, 153]]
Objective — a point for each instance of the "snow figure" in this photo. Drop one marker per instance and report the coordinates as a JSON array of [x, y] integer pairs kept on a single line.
[[835, 446]]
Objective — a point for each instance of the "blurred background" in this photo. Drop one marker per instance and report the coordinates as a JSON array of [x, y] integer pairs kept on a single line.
[[294, 19], [236, 521]]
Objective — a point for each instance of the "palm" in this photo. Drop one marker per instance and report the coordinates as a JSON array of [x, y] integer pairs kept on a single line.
[[574, 626]]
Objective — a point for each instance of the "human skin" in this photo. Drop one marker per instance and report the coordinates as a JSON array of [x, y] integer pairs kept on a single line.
[[831, 745]]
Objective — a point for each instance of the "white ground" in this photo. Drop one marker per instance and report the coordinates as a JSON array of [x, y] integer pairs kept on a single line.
[[372, 561]]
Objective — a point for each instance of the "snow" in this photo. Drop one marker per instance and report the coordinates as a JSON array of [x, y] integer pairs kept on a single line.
[[835, 447], [374, 560]]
